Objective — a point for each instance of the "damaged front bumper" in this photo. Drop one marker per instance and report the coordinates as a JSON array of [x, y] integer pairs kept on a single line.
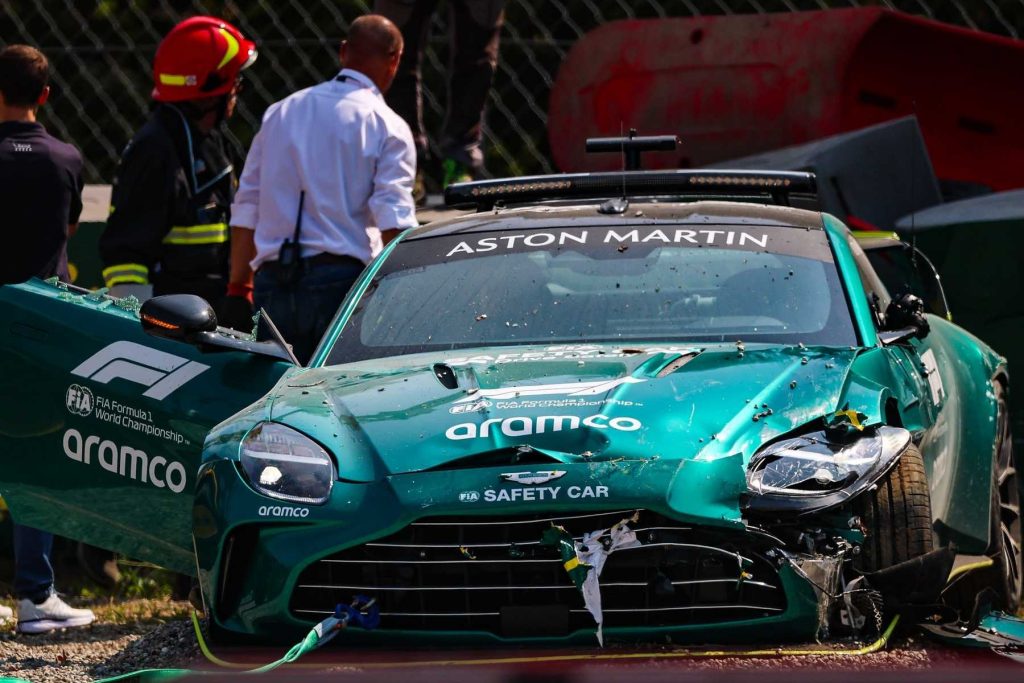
[[443, 570]]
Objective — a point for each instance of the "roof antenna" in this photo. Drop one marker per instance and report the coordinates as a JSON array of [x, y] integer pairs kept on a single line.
[[913, 195], [632, 134], [619, 205]]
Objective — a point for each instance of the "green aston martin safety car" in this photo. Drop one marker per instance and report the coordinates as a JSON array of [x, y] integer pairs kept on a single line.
[[647, 405]]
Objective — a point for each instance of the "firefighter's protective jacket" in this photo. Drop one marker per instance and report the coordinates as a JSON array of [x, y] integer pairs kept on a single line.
[[168, 223]]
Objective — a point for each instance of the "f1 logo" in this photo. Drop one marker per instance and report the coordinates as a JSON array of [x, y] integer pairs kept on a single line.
[[161, 372]]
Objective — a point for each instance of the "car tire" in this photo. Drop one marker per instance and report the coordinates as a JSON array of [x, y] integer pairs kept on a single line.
[[897, 515], [1005, 575], [1006, 515]]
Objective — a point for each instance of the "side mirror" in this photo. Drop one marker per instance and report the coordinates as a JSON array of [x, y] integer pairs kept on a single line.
[[181, 317], [904, 319], [189, 318]]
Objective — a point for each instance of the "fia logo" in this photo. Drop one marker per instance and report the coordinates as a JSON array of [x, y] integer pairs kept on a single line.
[[79, 400], [469, 496], [476, 406], [161, 372]]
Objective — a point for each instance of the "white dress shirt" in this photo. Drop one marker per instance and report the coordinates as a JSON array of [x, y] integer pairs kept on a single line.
[[352, 155]]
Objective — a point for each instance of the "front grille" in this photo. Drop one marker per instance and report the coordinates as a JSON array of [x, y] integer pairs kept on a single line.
[[492, 574]]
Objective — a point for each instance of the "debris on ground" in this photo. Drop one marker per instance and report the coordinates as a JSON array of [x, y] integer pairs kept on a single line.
[[99, 651], [128, 635]]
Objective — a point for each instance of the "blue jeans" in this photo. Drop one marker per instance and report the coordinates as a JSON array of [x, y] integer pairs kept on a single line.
[[303, 311], [33, 573]]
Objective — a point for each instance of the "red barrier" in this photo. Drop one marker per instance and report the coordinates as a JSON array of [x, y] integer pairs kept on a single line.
[[737, 85]]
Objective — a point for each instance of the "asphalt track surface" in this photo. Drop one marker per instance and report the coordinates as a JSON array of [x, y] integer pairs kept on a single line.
[[907, 661]]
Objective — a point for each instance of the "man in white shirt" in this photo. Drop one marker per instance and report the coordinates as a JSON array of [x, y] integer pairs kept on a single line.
[[330, 164]]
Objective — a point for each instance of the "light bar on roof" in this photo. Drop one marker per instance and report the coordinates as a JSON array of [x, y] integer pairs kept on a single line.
[[741, 181], [509, 188], [771, 186]]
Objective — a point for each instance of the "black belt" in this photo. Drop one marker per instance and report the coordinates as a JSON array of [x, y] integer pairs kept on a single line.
[[321, 259]]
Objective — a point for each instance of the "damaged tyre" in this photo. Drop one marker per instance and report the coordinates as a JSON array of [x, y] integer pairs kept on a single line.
[[897, 515], [896, 518]]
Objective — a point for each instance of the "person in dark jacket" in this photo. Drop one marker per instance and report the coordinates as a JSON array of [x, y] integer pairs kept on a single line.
[[41, 195], [40, 176], [168, 227]]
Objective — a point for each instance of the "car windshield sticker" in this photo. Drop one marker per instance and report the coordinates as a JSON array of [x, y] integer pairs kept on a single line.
[[633, 285], [740, 238], [610, 241]]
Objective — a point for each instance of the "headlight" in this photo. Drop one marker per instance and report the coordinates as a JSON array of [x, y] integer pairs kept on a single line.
[[283, 463], [816, 470]]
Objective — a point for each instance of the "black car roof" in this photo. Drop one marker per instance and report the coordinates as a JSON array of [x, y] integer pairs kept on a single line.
[[585, 214]]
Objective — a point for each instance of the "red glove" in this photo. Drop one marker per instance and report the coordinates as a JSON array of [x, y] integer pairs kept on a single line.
[[240, 289]]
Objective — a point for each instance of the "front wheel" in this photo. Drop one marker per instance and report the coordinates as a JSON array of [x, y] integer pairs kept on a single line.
[[897, 515]]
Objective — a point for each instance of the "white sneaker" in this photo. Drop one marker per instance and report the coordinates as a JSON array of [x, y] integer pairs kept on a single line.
[[50, 615], [5, 613]]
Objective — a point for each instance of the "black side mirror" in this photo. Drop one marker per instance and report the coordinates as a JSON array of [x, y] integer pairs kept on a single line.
[[189, 318], [904, 319], [181, 317]]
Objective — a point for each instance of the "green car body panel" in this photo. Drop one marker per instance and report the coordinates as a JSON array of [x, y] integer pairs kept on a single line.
[[112, 500], [673, 435]]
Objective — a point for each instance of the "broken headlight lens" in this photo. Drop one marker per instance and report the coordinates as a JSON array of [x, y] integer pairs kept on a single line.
[[816, 464], [282, 463]]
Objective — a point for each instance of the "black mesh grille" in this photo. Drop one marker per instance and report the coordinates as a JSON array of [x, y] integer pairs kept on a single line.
[[484, 574]]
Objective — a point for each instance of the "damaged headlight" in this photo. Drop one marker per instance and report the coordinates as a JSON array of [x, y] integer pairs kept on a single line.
[[283, 463], [817, 470]]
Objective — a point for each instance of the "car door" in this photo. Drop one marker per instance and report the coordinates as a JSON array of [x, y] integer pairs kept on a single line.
[[932, 376], [910, 385], [102, 425], [895, 269]]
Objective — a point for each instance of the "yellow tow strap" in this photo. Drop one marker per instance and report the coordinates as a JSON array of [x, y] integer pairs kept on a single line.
[[206, 650], [963, 569]]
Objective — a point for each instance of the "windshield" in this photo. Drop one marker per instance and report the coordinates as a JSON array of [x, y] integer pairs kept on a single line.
[[651, 283]]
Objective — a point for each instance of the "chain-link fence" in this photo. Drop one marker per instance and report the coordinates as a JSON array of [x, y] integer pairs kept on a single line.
[[101, 50]]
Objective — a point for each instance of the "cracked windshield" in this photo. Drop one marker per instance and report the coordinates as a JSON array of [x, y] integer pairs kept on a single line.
[[657, 283]]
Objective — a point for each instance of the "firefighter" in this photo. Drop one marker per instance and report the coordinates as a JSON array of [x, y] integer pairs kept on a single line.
[[168, 227]]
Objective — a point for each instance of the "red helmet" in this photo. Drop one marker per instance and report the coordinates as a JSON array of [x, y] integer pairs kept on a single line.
[[200, 57]]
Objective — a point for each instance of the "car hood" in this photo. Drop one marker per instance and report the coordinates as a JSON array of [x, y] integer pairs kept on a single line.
[[501, 406]]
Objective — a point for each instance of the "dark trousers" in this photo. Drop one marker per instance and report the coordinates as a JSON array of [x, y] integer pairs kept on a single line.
[[33, 573], [475, 28], [303, 311]]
